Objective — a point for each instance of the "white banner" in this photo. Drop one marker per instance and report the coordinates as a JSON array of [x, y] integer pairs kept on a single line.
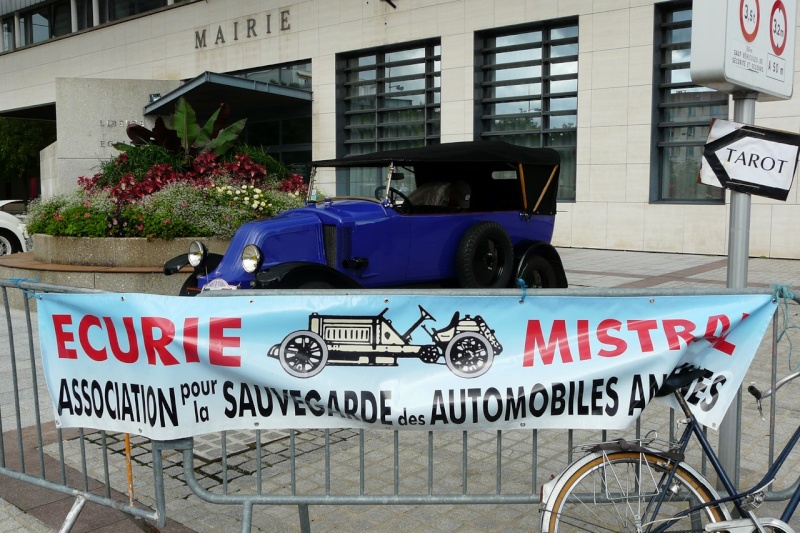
[[170, 367]]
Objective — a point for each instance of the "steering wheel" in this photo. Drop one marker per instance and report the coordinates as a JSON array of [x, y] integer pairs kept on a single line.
[[403, 207]]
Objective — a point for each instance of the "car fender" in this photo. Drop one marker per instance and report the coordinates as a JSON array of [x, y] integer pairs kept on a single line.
[[296, 274], [176, 264], [12, 224], [546, 250]]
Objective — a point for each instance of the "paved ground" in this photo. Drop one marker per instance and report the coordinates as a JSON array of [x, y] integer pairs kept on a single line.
[[39, 510]]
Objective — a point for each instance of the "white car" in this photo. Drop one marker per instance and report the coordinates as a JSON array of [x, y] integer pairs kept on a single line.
[[13, 235]]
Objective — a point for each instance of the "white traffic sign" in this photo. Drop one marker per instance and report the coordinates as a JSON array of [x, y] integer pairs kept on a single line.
[[745, 45], [750, 159]]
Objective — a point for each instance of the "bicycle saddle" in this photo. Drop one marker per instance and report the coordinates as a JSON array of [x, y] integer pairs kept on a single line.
[[680, 379]]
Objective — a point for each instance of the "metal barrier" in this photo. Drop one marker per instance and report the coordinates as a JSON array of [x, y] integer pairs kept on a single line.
[[32, 449], [318, 467]]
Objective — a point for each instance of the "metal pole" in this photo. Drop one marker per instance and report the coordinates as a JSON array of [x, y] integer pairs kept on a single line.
[[730, 430]]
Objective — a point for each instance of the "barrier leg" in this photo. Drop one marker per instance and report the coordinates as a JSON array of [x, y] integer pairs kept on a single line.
[[305, 521], [247, 517], [72, 516]]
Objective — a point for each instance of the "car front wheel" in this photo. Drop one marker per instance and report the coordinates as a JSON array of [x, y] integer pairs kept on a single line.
[[7, 245]]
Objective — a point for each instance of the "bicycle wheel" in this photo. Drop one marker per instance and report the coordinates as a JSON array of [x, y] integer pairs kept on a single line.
[[614, 491]]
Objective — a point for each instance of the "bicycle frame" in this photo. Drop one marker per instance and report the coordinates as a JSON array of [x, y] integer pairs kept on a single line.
[[694, 428]]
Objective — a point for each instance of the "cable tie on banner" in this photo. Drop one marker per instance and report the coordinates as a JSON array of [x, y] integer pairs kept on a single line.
[[521, 283], [18, 283], [782, 294]]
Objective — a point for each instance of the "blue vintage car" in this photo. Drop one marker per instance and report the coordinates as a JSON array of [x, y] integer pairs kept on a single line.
[[466, 214]]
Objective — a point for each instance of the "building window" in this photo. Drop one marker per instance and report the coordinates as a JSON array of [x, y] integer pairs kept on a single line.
[[45, 22], [85, 14], [392, 99], [54, 19], [683, 112], [116, 9], [297, 76], [8, 34], [284, 133], [529, 91]]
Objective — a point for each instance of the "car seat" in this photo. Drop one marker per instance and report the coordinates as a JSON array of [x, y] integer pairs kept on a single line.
[[453, 196], [433, 193]]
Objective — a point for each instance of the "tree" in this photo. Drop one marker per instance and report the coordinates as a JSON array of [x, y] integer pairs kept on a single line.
[[20, 144]]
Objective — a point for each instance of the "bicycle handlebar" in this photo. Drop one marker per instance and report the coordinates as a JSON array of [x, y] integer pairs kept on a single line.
[[758, 395]]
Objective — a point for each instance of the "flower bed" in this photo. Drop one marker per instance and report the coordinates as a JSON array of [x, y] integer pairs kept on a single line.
[[186, 182]]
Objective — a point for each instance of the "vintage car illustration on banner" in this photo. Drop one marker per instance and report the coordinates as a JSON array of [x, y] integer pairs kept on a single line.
[[467, 344]]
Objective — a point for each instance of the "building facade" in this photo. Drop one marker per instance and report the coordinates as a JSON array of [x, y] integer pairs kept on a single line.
[[606, 83]]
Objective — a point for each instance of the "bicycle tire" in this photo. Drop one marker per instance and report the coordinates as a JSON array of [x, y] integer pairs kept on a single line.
[[607, 492]]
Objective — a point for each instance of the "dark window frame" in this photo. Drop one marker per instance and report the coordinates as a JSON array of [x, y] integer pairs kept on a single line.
[[58, 15], [538, 122], [672, 96], [9, 37], [59, 21], [111, 10], [388, 91]]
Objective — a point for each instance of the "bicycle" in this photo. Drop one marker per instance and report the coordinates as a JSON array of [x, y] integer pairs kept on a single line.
[[634, 486]]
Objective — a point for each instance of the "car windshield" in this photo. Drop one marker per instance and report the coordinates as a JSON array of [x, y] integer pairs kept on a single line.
[[13, 207], [494, 175]]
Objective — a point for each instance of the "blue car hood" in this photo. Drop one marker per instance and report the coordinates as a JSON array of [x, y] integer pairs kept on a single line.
[[294, 235]]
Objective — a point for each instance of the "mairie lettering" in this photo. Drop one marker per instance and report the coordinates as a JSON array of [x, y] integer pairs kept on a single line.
[[158, 338], [584, 340]]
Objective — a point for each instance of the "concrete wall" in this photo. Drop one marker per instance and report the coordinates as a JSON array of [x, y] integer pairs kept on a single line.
[[91, 115], [48, 168]]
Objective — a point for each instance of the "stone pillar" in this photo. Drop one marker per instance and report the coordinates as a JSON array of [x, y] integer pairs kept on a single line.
[[73, 14], [17, 33]]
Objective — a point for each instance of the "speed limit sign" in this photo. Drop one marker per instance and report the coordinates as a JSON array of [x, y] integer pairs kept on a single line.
[[744, 45], [778, 25], [749, 18]]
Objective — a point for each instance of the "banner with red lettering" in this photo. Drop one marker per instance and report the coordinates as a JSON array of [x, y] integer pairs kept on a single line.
[[168, 367]]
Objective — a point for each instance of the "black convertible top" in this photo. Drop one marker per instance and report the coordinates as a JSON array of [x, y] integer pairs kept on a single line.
[[492, 152]]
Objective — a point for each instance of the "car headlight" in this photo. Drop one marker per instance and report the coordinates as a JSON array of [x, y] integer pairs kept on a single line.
[[251, 258], [197, 253]]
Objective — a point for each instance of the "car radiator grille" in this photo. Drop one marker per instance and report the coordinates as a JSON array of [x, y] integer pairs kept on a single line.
[[338, 244]]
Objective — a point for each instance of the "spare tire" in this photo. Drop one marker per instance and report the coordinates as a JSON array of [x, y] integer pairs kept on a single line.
[[485, 257]]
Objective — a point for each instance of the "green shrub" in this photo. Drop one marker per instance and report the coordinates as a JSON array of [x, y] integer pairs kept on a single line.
[[178, 210]]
